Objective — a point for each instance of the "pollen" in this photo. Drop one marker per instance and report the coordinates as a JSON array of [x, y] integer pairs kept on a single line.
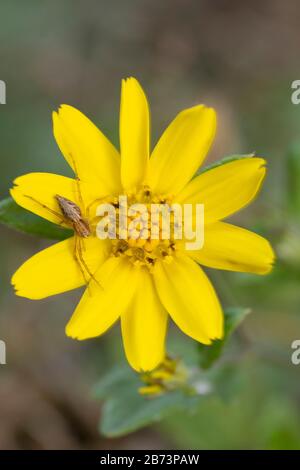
[[147, 233]]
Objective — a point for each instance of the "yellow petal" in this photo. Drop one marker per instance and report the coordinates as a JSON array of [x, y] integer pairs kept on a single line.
[[189, 298], [235, 249], [87, 150], [134, 134], [181, 149], [225, 189], [99, 307], [36, 193], [144, 326], [54, 270]]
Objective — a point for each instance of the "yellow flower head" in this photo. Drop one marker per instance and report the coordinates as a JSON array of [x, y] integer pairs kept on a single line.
[[170, 375], [142, 279]]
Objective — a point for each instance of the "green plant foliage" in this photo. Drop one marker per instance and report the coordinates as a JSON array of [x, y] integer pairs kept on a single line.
[[293, 178], [125, 410], [22, 220], [209, 354], [224, 161]]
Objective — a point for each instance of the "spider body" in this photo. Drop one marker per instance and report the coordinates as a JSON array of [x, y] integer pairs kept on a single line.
[[72, 214]]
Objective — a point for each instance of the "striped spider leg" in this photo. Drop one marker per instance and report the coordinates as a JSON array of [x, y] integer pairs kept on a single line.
[[72, 215]]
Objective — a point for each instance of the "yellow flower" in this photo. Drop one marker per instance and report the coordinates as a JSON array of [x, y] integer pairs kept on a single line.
[[143, 281], [170, 375]]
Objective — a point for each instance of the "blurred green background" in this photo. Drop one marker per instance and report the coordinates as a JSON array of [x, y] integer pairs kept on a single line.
[[239, 57]]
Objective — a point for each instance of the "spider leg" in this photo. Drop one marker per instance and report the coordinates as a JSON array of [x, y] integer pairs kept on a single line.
[[57, 214], [78, 261], [93, 227], [88, 208], [81, 201], [94, 219], [80, 249], [85, 210]]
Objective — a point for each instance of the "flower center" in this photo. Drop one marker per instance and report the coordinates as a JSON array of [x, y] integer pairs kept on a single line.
[[146, 233]]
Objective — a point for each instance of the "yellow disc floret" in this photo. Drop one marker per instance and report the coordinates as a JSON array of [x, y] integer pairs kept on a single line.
[[144, 240]]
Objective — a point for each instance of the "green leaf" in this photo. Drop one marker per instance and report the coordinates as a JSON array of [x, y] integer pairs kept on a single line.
[[121, 417], [232, 319], [109, 384], [293, 180], [225, 160], [22, 220], [125, 410]]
